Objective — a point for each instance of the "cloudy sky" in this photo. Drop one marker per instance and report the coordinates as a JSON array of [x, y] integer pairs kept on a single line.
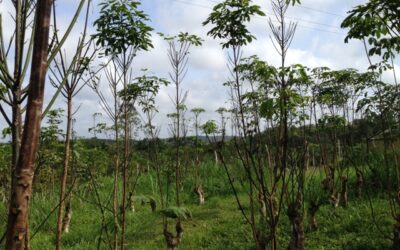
[[319, 41]]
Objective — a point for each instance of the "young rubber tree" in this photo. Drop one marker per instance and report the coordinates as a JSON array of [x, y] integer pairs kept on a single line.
[[146, 100], [94, 129], [380, 107], [18, 48], [196, 112], [122, 31], [71, 78], [229, 20], [377, 23], [221, 111], [17, 225], [178, 55], [49, 154], [198, 189]]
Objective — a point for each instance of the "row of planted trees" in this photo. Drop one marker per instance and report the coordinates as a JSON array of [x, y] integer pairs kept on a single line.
[[287, 123], [281, 116]]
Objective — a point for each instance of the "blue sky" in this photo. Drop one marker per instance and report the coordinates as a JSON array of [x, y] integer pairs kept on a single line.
[[318, 42]]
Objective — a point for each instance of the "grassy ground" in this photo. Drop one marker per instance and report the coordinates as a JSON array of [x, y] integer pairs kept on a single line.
[[216, 225]]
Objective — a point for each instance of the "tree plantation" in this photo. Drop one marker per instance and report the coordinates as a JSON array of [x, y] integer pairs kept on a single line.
[[295, 157]]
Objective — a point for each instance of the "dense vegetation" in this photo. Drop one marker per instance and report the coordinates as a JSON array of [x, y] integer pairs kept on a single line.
[[302, 158]]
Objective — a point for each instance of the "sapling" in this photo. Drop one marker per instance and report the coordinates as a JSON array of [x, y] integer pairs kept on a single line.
[[228, 20], [178, 55], [71, 78], [21, 47], [141, 93], [123, 31], [17, 225], [198, 189], [371, 23], [13, 79]]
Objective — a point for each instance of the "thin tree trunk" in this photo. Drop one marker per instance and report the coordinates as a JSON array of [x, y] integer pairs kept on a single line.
[[16, 128], [116, 166], [126, 155], [65, 173], [16, 131], [23, 173]]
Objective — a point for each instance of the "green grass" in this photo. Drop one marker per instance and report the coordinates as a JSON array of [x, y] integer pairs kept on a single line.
[[216, 225]]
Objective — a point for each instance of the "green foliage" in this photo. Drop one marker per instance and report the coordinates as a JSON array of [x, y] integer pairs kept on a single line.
[[216, 225], [384, 100], [141, 87], [293, 2], [334, 87], [221, 110], [176, 212], [5, 178], [229, 18], [378, 22], [146, 199], [331, 122], [313, 192], [266, 94], [99, 128], [377, 174], [51, 132], [209, 128], [122, 25], [253, 69], [6, 132], [183, 38], [267, 108], [197, 111], [172, 115]]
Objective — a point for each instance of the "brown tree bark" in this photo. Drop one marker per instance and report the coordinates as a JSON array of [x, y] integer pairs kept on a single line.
[[23, 173], [173, 241], [296, 220], [16, 126]]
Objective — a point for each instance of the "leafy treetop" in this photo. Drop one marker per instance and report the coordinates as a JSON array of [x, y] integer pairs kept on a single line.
[[229, 19], [141, 86], [210, 127], [122, 25], [378, 21], [197, 111], [183, 37]]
